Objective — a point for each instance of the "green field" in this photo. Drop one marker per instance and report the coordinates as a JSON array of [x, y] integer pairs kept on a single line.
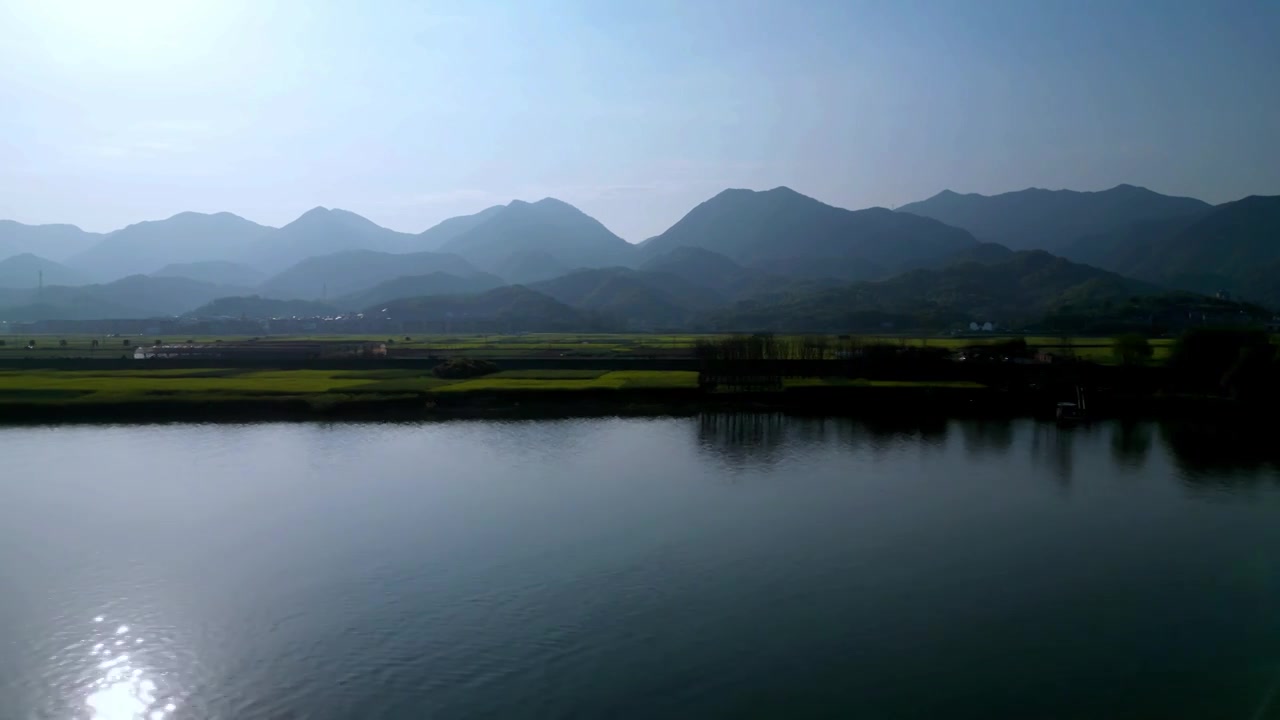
[[210, 385], [863, 382]]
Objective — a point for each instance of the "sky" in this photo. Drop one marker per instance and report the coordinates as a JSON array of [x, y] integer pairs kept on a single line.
[[409, 112]]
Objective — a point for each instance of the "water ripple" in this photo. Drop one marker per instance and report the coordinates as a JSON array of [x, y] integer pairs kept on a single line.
[[102, 670]]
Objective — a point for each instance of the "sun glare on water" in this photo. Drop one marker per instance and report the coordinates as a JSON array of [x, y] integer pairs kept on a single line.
[[122, 689]]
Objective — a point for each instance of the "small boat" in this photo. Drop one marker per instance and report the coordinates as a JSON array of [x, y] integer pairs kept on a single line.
[[1069, 412], [1073, 412]]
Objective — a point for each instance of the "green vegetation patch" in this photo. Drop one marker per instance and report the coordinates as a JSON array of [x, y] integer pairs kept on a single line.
[[39, 394], [863, 382], [416, 384], [656, 379], [550, 374], [160, 383], [235, 385], [496, 384], [375, 374], [948, 384], [622, 379]]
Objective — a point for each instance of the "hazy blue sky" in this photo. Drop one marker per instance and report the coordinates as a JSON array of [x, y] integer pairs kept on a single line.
[[409, 112]]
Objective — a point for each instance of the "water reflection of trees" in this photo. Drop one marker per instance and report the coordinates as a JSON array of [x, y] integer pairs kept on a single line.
[[1205, 453], [739, 438], [1131, 443], [891, 431], [1053, 446], [1216, 453], [765, 438], [987, 437]]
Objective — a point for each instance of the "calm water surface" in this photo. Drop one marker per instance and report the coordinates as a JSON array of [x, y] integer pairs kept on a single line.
[[715, 567]]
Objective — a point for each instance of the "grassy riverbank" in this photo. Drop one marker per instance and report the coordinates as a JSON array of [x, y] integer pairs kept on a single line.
[[212, 393], [123, 386], [1213, 369]]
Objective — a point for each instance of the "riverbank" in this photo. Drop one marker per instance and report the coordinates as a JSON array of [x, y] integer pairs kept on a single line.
[[240, 395], [493, 398]]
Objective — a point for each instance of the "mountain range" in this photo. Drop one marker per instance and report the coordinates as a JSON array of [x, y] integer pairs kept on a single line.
[[1233, 247], [740, 257], [56, 242], [29, 271], [217, 272], [549, 227], [763, 229], [136, 296], [512, 308], [1038, 219], [1017, 290], [352, 271], [185, 237]]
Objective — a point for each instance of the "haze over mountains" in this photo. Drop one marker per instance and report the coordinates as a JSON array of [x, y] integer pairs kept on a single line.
[[29, 271], [183, 238], [350, 271], [740, 257], [216, 272], [1234, 247], [55, 242], [782, 226], [1037, 219], [548, 226]]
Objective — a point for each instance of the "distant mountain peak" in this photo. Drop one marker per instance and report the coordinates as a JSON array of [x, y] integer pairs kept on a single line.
[[437, 235], [1050, 219], [191, 216], [64, 226], [779, 192], [345, 213], [1136, 191], [757, 228], [554, 202], [502, 242], [320, 215]]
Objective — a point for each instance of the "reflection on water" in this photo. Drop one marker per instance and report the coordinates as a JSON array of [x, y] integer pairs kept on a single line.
[[122, 687], [1205, 453], [1051, 447], [721, 566], [1217, 454], [739, 438], [987, 436], [764, 439], [1131, 443]]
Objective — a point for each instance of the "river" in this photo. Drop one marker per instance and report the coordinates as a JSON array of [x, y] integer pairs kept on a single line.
[[727, 566]]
